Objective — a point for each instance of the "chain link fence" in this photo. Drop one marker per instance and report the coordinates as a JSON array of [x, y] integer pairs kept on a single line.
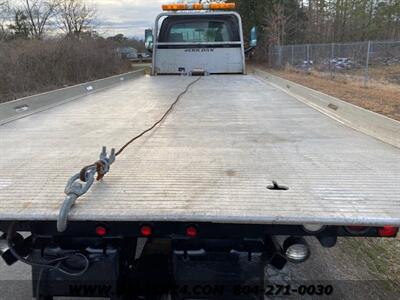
[[364, 61]]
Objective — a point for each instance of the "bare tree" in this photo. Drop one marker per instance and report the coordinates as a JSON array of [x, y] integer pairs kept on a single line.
[[4, 16], [278, 24], [76, 16], [3, 5], [39, 13], [20, 26]]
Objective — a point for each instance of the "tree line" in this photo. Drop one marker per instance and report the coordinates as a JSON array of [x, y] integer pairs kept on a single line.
[[33, 18], [283, 22], [48, 44]]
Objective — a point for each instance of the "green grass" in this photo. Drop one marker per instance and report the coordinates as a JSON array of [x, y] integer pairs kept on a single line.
[[380, 255]]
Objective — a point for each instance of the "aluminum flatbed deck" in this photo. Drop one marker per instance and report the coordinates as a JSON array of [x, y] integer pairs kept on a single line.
[[210, 161]]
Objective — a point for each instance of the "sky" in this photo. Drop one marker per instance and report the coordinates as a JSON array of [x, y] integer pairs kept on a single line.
[[129, 17]]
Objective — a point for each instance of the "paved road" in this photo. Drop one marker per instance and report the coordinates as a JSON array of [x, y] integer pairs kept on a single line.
[[15, 281]]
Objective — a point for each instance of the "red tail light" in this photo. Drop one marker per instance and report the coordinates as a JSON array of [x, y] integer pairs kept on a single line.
[[388, 231], [191, 231], [146, 230], [101, 231]]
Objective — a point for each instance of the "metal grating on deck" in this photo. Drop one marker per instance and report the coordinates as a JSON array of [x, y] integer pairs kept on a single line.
[[211, 160]]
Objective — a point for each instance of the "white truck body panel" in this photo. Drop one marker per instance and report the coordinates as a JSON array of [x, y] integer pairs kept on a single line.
[[213, 60], [210, 160]]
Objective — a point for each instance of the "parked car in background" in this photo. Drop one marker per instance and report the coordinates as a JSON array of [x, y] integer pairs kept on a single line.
[[127, 52]]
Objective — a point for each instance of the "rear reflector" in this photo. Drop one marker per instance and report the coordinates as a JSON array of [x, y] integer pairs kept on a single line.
[[191, 231], [388, 231], [146, 231], [101, 231]]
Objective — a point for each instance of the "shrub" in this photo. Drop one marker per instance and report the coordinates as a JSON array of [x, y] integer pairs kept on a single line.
[[32, 66]]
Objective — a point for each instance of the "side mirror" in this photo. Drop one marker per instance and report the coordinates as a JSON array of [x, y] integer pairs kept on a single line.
[[253, 37], [149, 43]]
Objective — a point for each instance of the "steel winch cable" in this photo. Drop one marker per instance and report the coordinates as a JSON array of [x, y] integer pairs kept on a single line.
[[80, 183], [46, 265], [53, 263], [162, 118]]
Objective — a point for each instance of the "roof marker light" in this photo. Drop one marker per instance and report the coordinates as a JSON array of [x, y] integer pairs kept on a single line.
[[175, 6], [197, 6], [222, 6]]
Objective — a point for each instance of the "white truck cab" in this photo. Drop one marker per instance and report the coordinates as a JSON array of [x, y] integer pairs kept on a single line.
[[193, 38]]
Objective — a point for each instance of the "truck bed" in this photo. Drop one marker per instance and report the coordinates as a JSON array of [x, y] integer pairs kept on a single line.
[[211, 160]]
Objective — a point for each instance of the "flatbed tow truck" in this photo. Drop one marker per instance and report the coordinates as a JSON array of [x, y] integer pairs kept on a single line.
[[193, 208]]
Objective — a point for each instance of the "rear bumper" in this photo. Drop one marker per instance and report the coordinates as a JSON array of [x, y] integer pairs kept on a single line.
[[178, 229]]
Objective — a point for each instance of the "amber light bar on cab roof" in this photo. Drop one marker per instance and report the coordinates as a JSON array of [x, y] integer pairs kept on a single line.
[[199, 6]]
